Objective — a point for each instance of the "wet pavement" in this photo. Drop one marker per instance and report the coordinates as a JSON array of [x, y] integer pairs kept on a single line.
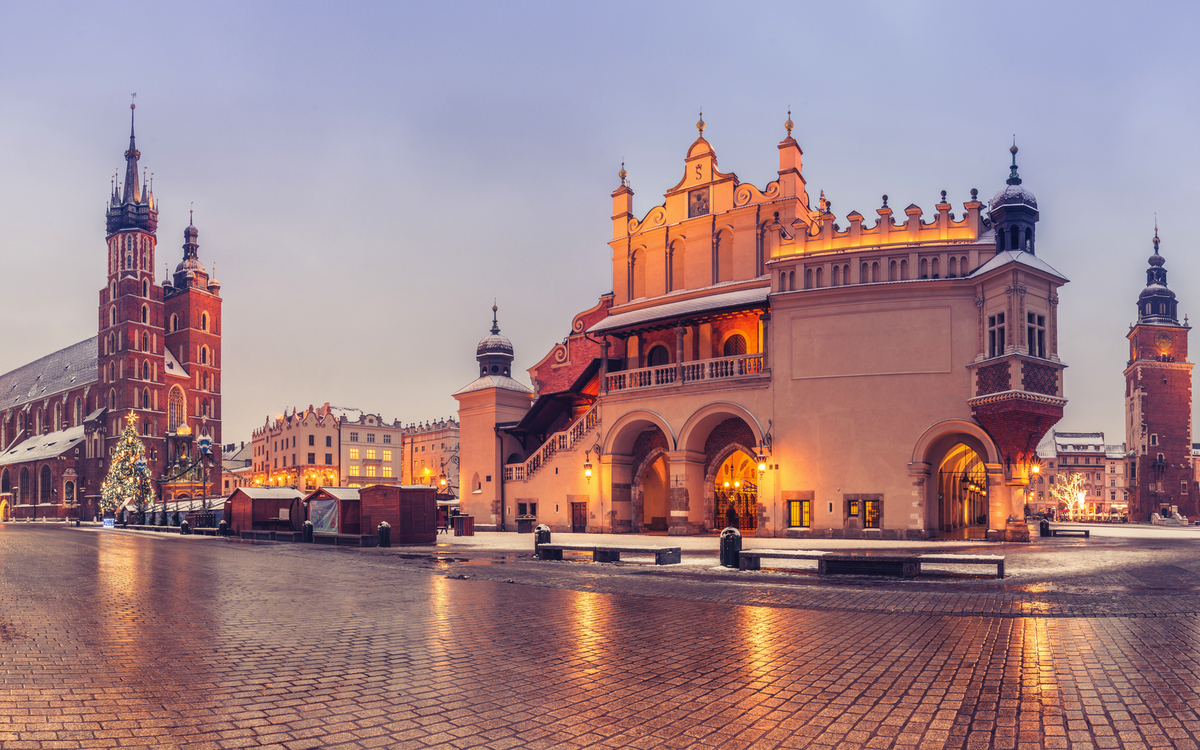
[[120, 639]]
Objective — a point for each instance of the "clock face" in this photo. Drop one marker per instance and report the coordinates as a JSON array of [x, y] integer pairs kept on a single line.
[[1163, 342]]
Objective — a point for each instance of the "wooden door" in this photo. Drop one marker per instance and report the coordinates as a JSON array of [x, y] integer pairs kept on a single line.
[[579, 517]]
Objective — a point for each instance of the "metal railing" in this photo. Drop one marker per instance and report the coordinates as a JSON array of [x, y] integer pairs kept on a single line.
[[558, 442]]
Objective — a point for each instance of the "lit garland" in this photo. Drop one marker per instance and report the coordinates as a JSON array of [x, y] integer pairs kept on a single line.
[[124, 483], [1070, 492]]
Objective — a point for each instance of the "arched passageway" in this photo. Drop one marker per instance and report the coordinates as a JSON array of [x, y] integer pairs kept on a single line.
[[735, 493], [962, 493]]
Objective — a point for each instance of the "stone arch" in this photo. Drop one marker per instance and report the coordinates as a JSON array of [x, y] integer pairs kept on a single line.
[[713, 462], [646, 452], [695, 432], [625, 431], [935, 445]]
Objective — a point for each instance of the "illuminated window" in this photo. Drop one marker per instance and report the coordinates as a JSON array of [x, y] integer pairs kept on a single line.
[[354, 470], [735, 345], [371, 470], [387, 471], [658, 356], [873, 509], [370, 454], [354, 454], [387, 455], [800, 513]]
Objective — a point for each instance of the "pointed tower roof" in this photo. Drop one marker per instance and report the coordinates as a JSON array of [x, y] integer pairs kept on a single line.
[[133, 190], [1157, 304], [131, 206]]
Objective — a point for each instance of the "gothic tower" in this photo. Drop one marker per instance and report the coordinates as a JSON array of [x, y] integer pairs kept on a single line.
[[192, 306], [1158, 403], [130, 340]]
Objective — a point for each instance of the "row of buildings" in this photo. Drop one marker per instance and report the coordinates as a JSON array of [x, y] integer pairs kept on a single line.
[[330, 446]]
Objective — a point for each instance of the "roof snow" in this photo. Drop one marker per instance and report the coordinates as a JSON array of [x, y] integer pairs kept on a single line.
[[41, 447], [55, 373]]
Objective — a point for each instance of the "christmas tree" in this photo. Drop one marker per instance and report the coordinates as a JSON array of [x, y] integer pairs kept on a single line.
[[126, 482]]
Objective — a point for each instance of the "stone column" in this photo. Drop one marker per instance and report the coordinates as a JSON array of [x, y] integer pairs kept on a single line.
[[999, 502], [686, 492], [615, 482], [765, 319], [679, 333], [604, 366]]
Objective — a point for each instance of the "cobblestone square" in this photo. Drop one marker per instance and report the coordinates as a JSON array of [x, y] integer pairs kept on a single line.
[[116, 639]]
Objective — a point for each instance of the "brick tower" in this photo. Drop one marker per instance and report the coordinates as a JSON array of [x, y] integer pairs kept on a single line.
[[1158, 401], [130, 341]]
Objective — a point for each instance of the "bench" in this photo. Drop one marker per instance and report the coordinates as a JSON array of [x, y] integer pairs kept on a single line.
[[347, 540], [600, 553], [832, 563], [1085, 533]]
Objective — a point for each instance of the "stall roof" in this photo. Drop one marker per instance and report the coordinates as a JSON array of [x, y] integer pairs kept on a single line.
[[688, 308], [341, 493], [279, 493]]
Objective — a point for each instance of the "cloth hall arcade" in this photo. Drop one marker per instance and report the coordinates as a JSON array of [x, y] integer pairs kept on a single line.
[[759, 364]]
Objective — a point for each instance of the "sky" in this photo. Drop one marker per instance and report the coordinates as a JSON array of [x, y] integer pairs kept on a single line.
[[368, 177]]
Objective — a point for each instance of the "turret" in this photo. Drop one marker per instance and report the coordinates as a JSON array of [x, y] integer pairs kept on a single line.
[[1014, 213]]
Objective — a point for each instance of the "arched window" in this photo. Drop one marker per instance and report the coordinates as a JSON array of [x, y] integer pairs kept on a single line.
[[145, 398], [112, 293], [834, 276], [44, 486], [808, 281], [1029, 240], [933, 267], [145, 314], [924, 268], [846, 274], [145, 342], [174, 322], [78, 413], [903, 269], [145, 288], [875, 271], [864, 274], [675, 266], [818, 281], [204, 408], [962, 265], [735, 345], [1014, 238], [952, 269], [1000, 241], [112, 316], [112, 399], [658, 356], [37, 420], [5, 482], [203, 321], [175, 407], [204, 355], [24, 485], [112, 372], [57, 418], [892, 271], [783, 281], [791, 281]]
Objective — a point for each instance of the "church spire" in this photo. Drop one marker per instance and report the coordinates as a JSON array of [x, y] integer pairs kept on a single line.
[[1157, 303], [132, 193]]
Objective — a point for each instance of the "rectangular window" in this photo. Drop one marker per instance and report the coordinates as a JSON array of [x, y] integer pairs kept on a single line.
[[851, 508], [387, 439], [1183, 489], [873, 510], [387, 455], [371, 470], [387, 471], [354, 454], [1036, 335], [1113, 496], [312, 439], [996, 335], [533, 509], [312, 458], [370, 437], [521, 509], [370, 454], [354, 437], [799, 513], [329, 441], [329, 459]]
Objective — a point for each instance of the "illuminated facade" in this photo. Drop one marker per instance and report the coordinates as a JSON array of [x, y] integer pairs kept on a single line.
[[431, 454], [758, 364], [157, 355], [371, 450], [1101, 467], [297, 450]]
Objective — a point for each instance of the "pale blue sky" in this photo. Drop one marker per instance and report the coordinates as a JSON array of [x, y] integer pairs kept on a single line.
[[368, 176]]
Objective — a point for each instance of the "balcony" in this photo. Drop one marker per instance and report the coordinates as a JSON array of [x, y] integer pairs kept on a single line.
[[724, 368]]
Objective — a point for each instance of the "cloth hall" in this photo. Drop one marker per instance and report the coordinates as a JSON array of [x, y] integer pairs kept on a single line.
[[156, 357], [760, 364]]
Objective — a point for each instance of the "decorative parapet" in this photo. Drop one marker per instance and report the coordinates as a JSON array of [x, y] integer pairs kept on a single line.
[[1016, 373]]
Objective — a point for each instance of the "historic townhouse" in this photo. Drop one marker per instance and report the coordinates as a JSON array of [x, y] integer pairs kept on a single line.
[[760, 364], [157, 356]]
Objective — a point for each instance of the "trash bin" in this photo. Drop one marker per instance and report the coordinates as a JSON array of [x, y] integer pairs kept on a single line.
[[1044, 528], [541, 535], [185, 528], [731, 546], [525, 524], [385, 534], [223, 528], [308, 531]]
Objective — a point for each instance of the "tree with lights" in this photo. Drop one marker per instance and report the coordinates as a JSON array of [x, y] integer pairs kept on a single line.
[[127, 481], [1069, 491]]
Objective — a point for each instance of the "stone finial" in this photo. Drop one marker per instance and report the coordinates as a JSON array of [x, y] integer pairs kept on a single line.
[[700, 123], [789, 124]]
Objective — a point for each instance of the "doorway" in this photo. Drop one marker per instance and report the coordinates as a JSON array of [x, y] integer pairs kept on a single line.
[[962, 493], [578, 518], [655, 503], [736, 493]]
